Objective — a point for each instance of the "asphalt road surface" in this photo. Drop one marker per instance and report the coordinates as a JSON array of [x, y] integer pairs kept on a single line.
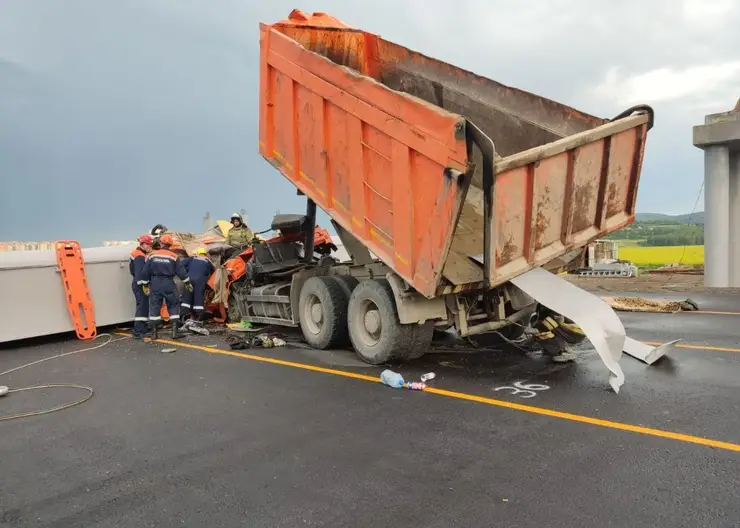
[[296, 437]]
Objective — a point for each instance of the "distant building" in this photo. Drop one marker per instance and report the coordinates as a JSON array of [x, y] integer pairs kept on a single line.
[[108, 243], [26, 246]]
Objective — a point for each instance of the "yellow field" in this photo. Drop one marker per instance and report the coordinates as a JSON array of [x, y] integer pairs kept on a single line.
[[646, 256]]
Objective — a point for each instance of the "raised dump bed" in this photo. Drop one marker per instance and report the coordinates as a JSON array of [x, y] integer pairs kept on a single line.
[[455, 181]]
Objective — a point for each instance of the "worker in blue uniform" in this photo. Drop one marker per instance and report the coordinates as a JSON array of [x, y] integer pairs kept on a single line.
[[135, 267], [158, 281], [199, 269]]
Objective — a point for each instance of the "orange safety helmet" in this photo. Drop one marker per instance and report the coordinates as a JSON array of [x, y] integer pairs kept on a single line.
[[146, 239], [166, 240]]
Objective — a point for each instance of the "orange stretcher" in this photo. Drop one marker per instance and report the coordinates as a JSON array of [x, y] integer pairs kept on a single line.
[[77, 292]]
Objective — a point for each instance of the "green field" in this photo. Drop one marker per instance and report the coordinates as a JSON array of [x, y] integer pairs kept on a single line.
[[660, 255], [628, 243]]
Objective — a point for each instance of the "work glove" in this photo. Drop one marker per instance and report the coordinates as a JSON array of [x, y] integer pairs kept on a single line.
[[146, 289], [189, 287]]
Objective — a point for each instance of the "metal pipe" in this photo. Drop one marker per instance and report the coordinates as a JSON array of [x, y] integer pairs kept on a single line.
[[309, 230], [492, 326], [488, 153]]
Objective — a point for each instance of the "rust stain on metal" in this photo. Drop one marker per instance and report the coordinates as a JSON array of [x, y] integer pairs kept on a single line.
[[542, 222], [582, 206], [612, 199], [508, 252]]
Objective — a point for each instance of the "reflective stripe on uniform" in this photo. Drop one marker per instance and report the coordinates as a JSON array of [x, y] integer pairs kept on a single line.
[[197, 307], [174, 316], [155, 318], [186, 305], [186, 280], [141, 318], [142, 282]]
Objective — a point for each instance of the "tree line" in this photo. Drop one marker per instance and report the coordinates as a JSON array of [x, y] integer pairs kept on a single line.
[[665, 234]]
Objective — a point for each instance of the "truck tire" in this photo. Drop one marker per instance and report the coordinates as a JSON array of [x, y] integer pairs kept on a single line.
[[347, 282], [376, 334], [421, 340], [322, 313]]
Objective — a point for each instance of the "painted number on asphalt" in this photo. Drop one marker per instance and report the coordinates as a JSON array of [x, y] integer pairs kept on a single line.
[[524, 390]]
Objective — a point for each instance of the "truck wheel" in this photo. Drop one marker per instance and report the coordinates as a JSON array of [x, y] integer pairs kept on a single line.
[[421, 340], [322, 313], [377, 335], [347, 282]]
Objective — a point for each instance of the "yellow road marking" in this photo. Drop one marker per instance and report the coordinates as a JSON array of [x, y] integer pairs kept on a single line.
[[696, 347], [479, 399], [700, 312]]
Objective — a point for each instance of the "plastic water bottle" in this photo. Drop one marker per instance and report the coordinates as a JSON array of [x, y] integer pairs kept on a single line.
[[416, 385], [392, 379]]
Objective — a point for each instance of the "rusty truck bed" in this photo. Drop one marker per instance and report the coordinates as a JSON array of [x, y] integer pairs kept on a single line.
[[402, 151]]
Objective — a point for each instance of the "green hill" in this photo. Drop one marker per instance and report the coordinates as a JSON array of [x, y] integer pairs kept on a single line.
[[693, 219]]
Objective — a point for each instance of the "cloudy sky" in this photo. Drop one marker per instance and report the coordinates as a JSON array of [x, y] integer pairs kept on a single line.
[[116, 115]]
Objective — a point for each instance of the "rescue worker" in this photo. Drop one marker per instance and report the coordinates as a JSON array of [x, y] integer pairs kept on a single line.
[[555, 334], [158, 282], [135, 267], [199, 269], [239, 236]]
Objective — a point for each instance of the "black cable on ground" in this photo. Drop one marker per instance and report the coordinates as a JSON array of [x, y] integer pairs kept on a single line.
[[89, 390]]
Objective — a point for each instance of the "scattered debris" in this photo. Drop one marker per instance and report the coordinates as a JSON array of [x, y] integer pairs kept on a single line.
[[639, 304], [196, 327], [168, 350], [392, 379], [266, 341], [676, 269], [646, 353], [244, 326], [396, 381], [428, 377]]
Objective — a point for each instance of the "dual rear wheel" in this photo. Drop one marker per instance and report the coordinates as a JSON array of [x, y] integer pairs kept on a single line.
[[336, 311]]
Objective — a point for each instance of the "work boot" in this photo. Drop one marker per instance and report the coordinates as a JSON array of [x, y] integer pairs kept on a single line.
[[153, 335], [176, 334], [564, 356]]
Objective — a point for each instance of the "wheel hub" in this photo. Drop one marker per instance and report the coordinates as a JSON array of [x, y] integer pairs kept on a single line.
[[317, 314], [313, 314], [372, 322]]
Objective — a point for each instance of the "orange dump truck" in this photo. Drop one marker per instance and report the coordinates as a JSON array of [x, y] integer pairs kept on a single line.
[[442, 185]]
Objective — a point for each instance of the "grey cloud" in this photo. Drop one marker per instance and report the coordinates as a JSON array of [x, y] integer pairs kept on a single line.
[[118, 115]]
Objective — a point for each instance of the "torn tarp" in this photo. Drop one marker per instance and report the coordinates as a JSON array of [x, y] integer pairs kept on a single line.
[[596, 318]]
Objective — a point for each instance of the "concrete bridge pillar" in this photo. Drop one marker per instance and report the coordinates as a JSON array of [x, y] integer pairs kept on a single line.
[[719, 137]]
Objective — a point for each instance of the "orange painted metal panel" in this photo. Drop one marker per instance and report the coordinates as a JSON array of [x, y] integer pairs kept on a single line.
[[547, 207], [376, 160], [374, 133]]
